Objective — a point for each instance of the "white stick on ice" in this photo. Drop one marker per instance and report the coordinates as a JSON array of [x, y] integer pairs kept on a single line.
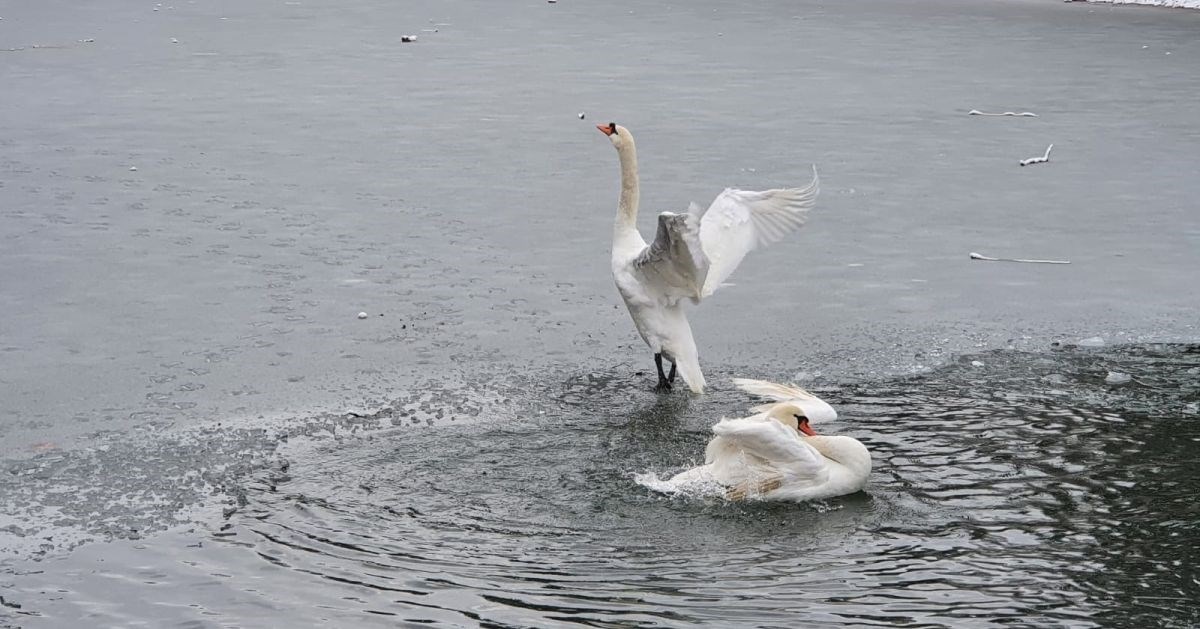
[[976, 256], [976, 112], [1037, 160]]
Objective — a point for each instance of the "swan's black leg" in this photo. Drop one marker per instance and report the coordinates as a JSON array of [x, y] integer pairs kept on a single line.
[[671, 376], [664, 385]]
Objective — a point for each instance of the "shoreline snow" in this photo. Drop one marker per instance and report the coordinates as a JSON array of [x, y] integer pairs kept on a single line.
[[1171, 4]]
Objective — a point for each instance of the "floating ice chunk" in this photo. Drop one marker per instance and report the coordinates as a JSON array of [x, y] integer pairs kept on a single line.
[[133, 169], [362, 315], [980, 256], [1093, 341], [1027, 114], [1037, 160], [1116, 377], [976, 363], [174, 41]]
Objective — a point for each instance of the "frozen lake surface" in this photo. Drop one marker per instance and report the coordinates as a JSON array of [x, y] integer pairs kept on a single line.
[[196, 201]]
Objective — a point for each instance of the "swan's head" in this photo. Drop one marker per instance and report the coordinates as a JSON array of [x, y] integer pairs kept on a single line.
[[793, 416], [618, 135]]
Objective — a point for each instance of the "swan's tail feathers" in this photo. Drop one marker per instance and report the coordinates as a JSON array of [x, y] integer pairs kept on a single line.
[[689, 368]]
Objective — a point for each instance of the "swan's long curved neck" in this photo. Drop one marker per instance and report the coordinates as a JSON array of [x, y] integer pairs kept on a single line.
[[627, 208]]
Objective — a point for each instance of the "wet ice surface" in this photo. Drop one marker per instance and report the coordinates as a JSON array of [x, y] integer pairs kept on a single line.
[[189, 230]]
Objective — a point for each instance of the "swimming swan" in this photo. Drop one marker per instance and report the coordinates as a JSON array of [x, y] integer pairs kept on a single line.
[[776, 455], [692, 255]]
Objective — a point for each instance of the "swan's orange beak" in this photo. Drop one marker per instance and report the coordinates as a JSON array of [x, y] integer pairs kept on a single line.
[[806, 429], [607, 129]]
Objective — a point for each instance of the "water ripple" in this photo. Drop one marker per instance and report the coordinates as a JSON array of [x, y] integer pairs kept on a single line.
[[995, 501]]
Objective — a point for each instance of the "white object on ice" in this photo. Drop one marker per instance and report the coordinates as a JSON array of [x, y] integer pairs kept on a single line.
[[174, 41], [1037, 160], [1174, 4], [977, 363], [1092, 341], [978, 256], [362, 315], [132, 168], [408, 39], [976, 112], [1116, 377], [582, 115]]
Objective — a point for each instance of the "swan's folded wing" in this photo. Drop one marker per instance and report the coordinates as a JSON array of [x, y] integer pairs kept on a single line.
[[814, 407], [774, 442], [740, 221], [675, 262]]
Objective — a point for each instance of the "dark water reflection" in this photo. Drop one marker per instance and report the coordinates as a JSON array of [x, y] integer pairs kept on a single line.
[[1009, 489]]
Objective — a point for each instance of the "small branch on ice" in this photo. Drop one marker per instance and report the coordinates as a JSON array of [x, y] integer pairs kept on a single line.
[[1037, 160], [976, 256], [976, 112]]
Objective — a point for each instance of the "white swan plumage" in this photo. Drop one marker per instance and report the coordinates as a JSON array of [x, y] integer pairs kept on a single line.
[[775, 454], [815, 409], [692, 255]]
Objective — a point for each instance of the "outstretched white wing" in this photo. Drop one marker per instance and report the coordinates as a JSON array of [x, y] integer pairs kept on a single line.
[[815, 409], [675, 263], [740, 221]]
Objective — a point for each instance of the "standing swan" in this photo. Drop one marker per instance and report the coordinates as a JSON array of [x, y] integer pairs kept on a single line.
[[692, 254]]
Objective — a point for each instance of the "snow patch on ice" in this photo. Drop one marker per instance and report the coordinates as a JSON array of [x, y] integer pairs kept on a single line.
[[1174, 4]]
